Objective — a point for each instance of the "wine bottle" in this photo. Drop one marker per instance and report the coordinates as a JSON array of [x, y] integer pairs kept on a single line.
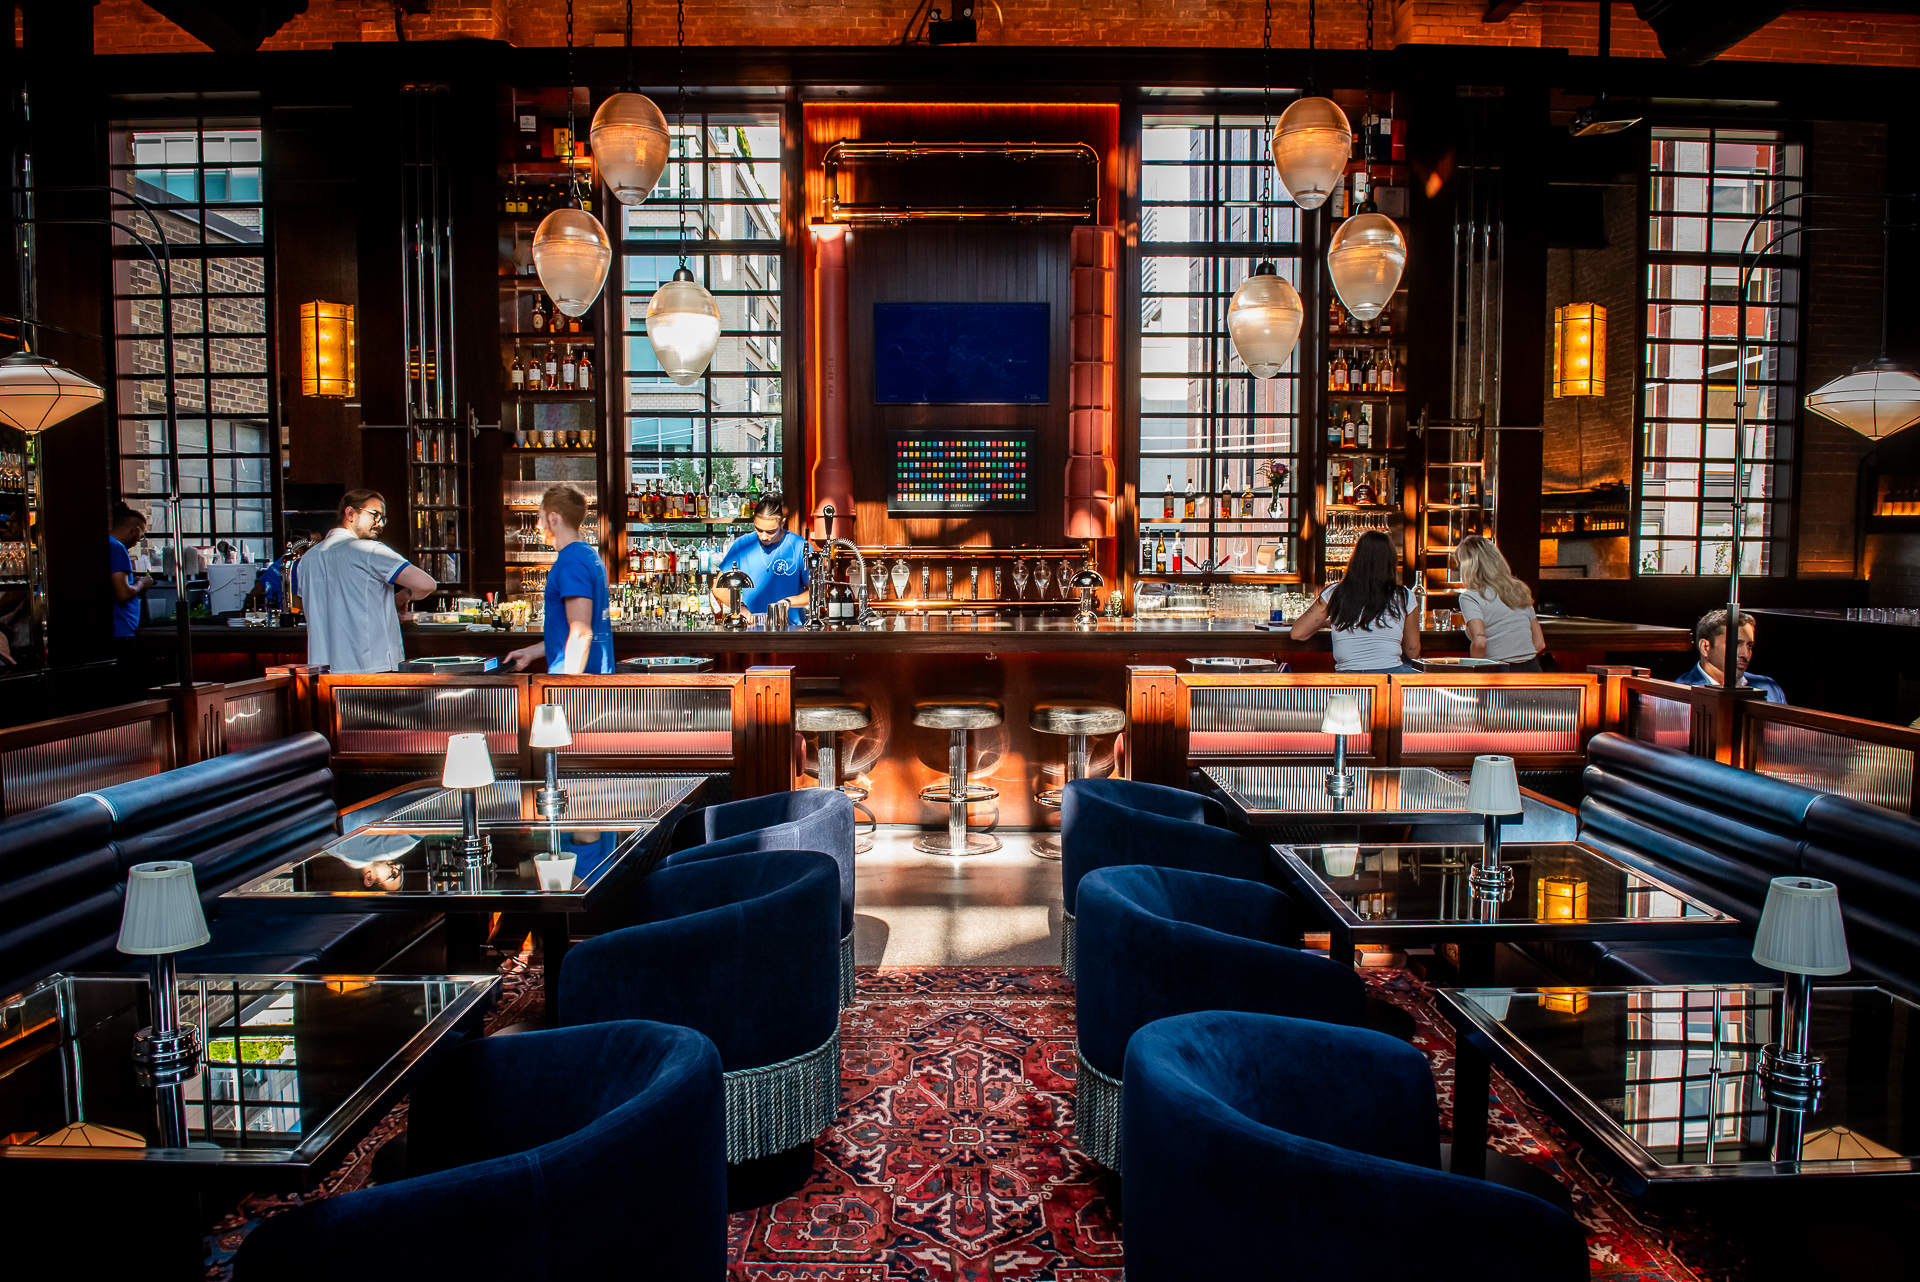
[[1224, 511], [1166, 499], [1347, 431], [517, 372], [1363, 433], [552, 369], [1339, 372], [536, 373], [583, 381], [567, 373]]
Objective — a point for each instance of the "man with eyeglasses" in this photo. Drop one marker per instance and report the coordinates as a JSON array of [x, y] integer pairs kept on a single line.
[[352, 587], [773, 557]]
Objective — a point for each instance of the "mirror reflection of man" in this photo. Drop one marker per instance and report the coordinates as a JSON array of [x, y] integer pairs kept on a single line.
[[352, 587], [125, 531], [1710, 648], [773, 556]]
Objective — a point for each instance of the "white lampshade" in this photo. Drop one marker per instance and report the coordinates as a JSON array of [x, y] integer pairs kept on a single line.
[[683, 324], [36, 393], [550, 727], [1339, 861], [1342, 715], [630, 145], [1264, 321], [1876, 400], [571, 254], [1311, 144], [1801, 930], [468, 764], [162, 912], [1494, 788], [1365, 259]]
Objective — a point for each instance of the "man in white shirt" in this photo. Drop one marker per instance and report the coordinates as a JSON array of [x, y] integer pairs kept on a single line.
[[352, 588]]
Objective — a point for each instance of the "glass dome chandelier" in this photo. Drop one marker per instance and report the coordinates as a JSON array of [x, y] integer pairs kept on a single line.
[[1265, 316], [571, 250], [1368, 251], [683, 321], [630, 139]]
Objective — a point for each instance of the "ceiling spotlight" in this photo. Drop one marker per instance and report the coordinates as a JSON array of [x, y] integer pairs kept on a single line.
[[957, 30]]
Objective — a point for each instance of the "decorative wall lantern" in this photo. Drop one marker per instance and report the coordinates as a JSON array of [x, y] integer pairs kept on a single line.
[[326, 349], [1580, 350]]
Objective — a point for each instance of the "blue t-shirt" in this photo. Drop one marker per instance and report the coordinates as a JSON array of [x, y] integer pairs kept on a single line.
[[1769, 688], [577, 572], [126, 614], [777, 572]]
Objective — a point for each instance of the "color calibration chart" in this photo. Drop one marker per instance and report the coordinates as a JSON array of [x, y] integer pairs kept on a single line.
[[961, 470]]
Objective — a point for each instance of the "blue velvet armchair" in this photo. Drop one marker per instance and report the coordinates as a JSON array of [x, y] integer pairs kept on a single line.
[[744, 949], [546, 1155], [1256, 1138], [805, 819], [1105, 823], [1156, 942]]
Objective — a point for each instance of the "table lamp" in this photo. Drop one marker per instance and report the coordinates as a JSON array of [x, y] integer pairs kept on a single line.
[[550, 732], [1802, 934], [162, 917], [1492, 790], [1341, 719], [469, 768]]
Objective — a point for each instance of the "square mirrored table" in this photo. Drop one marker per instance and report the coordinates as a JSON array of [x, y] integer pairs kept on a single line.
[[1419, 893], [510, 802], [1659, 1082], [1269, 796]]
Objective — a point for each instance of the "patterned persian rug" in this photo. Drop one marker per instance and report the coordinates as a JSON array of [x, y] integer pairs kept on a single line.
[[953, 1158]]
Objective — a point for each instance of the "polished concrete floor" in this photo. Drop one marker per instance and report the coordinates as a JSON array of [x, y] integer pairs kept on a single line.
[[1001, 909]]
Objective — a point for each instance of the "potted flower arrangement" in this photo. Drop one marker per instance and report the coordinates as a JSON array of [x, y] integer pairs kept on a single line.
[[1275, 473]]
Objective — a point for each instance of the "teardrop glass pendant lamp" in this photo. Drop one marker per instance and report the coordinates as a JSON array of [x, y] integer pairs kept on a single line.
[[571, 254], [1264, 321], [683, 324], [1311, 144], [1365, 258], [630, 144]]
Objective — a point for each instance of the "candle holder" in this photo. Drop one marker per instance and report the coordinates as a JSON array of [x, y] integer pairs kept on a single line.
[[1801, 933], [1492, 791], [1560, 899], [162, 917], [469, 768], [1341, 718], [551, 733]]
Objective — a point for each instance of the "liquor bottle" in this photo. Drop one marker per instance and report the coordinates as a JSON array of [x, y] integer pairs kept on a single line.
[[1347, 431], [753, 493], [1160, 553], [1246, 496], [1373, 372], [539, 315], [1188, 507], [703, 505], [1396, 374], [1363, 432], [1346, 483], [1339, 372], [1177, 554], [567, 372], [517, 372], [633, 501], [583, 380], [536, 373], [1166, 499], [1146, 552], [689, 502], [1384, 325], [1224, 510], [1354, 374], [1333, 430]]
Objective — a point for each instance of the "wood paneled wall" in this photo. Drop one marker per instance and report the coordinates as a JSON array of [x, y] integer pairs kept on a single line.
[[958, 263]]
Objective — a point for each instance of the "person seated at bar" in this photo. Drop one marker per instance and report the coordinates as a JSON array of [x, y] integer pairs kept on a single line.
[[774, 558], [1375, 628], [578, 630], [352, 587], [1710, 647], [1498, 607]]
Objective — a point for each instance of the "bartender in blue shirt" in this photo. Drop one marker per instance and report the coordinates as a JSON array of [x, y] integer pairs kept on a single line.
[[578, 633], [773, 557]]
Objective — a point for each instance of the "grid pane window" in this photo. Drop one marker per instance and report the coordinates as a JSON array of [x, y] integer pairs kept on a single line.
[[204, 179], [1205, 223], [1706, 187], [723, 181]]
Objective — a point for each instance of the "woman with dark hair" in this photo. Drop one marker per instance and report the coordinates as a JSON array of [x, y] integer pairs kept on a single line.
[[1374, 625]]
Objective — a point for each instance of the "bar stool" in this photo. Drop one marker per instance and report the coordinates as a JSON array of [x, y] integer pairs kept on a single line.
[[956, 717], [1076, 719], [826, 716]]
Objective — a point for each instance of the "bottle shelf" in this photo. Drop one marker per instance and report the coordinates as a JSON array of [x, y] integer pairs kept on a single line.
[[586, 450], [553, 335], [535, 397]]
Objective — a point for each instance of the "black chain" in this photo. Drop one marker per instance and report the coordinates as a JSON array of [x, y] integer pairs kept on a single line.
[[1266, 118], [680, 112], [629, 85], [1367, 122], [1312, 18], [573, 170]]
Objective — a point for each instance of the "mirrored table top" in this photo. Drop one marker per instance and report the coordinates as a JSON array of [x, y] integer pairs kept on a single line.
[[291, 1065], [589, 797], [534, 868], [1560, 890], [1663, 1077], [1267, 795]]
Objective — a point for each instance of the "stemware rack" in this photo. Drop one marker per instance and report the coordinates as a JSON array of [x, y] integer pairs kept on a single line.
[[1007, 596]]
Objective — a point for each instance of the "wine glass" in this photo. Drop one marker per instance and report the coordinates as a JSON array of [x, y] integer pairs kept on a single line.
[[877, 575], [1019, 578], [1041, 577], [1066, 576], [900, 576]]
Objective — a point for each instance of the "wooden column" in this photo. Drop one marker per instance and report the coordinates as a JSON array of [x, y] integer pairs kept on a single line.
[[1156, 726], [763, 732], [1092, 441]]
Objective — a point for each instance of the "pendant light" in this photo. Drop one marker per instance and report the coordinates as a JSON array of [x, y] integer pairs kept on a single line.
[[571, 251], [1876, 399], [683, 321], [630, 140], [1265, 316], [1368, 252], [36, 393], [1312, 143]]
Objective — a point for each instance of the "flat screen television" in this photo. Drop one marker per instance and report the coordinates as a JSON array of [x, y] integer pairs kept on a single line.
[[960, 353]]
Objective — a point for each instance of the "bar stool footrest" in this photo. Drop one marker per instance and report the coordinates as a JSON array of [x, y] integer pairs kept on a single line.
[[941, 794]]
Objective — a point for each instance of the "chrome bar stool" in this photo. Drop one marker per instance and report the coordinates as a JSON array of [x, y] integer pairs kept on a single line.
[[956, 717], [826, 716], [1076, 719]]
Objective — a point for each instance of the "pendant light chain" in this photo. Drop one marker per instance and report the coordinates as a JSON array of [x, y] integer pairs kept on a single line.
[[1266, 121], [629, 84], [1367, 123], [680, 122], [1312, 19], [573, 170]]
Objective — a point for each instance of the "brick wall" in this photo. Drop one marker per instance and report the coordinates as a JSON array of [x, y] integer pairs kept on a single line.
[[129, 26], [1845, 273]]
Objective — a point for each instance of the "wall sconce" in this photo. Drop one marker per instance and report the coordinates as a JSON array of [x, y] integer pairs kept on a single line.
[[1560, 899], [1580, 350], [1567, 1001], [326, 349]]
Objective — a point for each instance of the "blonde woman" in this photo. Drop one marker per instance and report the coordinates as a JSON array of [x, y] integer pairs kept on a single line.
[[1498, 607]]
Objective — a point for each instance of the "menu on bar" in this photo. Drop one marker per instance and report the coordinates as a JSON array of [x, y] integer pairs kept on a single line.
[[961, 470]]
